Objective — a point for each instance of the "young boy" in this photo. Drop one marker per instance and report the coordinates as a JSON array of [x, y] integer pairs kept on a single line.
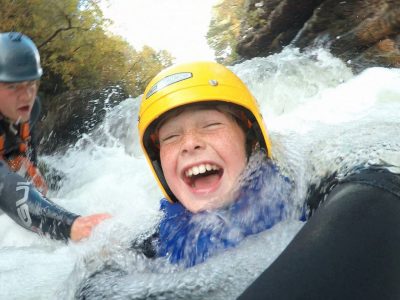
[[22, 186], [204, 138]]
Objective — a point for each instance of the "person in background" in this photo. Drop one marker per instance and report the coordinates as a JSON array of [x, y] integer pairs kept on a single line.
[[23, 188]]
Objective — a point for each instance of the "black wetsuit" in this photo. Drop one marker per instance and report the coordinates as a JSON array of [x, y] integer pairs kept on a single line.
[[349, 248], [22, 202]]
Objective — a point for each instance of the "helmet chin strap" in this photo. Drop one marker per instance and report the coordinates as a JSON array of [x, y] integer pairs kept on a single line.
[[18, 121], [13, 128], [14, 125]]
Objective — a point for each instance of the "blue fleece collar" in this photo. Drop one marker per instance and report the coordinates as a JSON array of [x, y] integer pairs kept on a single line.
[[189, 239]]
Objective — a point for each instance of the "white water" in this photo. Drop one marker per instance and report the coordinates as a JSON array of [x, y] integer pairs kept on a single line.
[[320, 117]]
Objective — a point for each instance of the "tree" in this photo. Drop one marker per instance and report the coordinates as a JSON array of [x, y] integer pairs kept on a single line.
[[76, 49], [224, 29]]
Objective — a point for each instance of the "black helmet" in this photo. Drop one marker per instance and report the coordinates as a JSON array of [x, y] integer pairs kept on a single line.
[[19, 58]]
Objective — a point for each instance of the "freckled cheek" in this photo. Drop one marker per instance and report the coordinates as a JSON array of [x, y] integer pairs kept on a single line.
[[168, 161], [235, 150]]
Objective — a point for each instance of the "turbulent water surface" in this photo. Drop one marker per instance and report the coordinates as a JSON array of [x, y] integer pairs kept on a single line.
[[321, 118]]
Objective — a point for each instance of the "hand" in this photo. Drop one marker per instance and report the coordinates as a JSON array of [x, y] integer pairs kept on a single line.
[[82, 226]]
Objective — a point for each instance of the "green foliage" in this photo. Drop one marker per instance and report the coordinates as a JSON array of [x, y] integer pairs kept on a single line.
[[224, 29], [77, 51]]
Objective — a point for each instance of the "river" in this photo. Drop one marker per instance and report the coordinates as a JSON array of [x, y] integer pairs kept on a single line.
[[321, 118]]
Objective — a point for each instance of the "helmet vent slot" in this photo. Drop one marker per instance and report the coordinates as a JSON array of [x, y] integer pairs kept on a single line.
[[167, 81]]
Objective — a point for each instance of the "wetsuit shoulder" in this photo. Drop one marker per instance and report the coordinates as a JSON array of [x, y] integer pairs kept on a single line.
[[376, 176], [351, 241]]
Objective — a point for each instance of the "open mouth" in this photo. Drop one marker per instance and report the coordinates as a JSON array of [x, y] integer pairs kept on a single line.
[[203, 176], [24, 108]]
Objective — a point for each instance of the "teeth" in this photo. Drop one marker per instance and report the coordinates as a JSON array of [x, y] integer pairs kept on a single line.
[[200, 169], [195, 170]]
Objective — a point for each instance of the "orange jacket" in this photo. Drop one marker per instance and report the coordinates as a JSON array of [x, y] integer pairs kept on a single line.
[[18, 158]]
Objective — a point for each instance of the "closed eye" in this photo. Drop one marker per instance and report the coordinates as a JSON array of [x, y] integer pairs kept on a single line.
[[212, 125], [169, 138]]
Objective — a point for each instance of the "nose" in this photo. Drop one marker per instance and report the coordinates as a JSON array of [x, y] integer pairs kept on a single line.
[[191, 142]]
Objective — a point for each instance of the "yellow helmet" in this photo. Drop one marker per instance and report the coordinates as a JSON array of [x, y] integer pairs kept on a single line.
[[187, 84]]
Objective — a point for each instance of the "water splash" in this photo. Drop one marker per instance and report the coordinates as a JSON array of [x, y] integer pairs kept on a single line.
[[321, 118]]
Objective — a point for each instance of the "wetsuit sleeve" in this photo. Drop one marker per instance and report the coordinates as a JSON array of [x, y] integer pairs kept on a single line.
[[26, 206]]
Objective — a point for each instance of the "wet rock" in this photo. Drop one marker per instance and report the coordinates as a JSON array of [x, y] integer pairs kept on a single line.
[[362, 32], [273, 25]]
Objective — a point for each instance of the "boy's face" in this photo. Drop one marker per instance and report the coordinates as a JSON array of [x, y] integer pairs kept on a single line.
[[17, 99], [202, 154]]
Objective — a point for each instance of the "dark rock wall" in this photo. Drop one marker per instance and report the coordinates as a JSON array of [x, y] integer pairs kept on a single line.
[[67, 116], [278, 23], [363, 32]]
